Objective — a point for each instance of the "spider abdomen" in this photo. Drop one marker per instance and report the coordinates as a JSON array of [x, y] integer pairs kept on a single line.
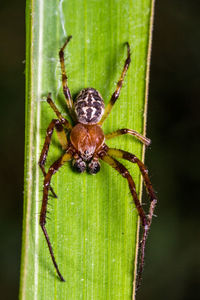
[[89, 106], [87, 139]]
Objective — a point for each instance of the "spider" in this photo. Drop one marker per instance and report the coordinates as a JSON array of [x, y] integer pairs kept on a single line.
[[84, 145]]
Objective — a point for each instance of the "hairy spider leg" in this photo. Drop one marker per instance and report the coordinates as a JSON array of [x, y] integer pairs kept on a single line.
[[115, 95], [52, 170], [62, 139], [58, 114], [146, 220], [66, 90], [125, 173], [123, 131]]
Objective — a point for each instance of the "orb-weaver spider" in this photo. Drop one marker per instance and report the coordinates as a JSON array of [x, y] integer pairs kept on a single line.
[[86, 145]]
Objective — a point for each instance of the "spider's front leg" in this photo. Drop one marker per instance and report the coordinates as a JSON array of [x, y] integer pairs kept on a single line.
[[145, 220], [125, 173], [52, 170], [62, 138], [132, 158]]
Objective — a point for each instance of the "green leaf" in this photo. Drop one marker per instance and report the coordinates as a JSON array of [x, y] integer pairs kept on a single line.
[[93, 224]]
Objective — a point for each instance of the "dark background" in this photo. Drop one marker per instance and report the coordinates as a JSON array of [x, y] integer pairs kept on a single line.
[[172, 268]]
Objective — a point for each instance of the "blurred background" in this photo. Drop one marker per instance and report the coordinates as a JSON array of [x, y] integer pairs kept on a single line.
[[172, 270]]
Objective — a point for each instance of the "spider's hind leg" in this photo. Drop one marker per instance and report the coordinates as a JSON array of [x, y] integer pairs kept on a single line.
[[64, 122], [116, 93], [66, 90]]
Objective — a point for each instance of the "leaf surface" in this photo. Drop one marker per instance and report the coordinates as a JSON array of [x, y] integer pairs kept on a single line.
[[93, 224]]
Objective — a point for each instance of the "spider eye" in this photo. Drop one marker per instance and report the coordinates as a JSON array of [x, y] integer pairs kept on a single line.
[[94, 167], [79, 165]]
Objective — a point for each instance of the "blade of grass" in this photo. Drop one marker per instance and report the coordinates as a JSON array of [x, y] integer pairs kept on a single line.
[[93, 226]]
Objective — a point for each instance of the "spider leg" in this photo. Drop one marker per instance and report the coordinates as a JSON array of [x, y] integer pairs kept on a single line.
[[58, 114], [144, 220], [115, 95], [153, 200], [62, 138], [52, 170], [125, 173], [122, 131], [66, 90]]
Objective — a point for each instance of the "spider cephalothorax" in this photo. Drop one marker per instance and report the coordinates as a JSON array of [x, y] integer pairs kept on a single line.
[[87, 139], [85, 146]]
